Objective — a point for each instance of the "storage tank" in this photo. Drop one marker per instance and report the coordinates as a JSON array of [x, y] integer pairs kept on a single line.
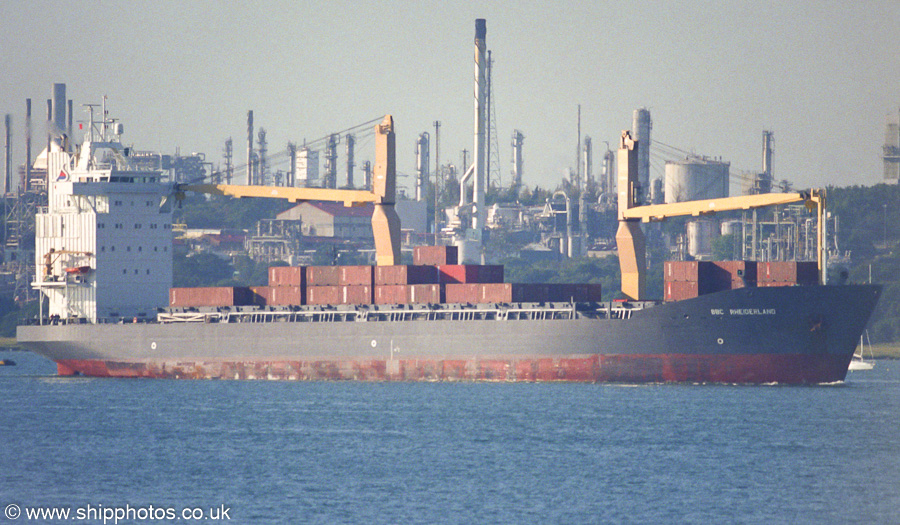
[[732, 228], [696, 179], [700, 235]]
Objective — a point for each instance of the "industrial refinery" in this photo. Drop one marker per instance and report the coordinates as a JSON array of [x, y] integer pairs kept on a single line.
[[471, 203]]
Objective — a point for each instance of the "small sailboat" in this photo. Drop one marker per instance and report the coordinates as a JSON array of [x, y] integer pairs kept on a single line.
[[859, 361]]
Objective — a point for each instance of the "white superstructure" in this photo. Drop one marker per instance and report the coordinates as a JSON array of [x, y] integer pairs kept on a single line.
[[103, 246]]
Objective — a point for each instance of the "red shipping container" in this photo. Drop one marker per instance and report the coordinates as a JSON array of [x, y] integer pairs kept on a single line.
[[356, 294], [496, 293], [322, 295], [287, 276], [323, 275], [739, 270], [696, 271], [461, 293], [426, 293], [260, 295], [406, 274], [435, 255], [680, 290], [356, 275], [287, 295], [791, 272], [470, 273], [210, 296], [391, 294]]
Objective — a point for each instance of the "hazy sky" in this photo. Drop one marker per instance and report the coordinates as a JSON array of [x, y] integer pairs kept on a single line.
[[822, 75]]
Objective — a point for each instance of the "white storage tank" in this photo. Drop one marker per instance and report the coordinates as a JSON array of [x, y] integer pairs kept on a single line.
[[696, 179], [732, 228], [700, 235]]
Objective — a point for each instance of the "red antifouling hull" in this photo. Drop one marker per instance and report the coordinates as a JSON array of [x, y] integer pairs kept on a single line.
[[681, 368]]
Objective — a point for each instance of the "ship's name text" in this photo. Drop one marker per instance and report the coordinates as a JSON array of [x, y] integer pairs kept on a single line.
[[743, 311]]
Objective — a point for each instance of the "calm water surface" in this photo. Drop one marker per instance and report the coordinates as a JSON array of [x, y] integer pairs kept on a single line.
[[279, 452]]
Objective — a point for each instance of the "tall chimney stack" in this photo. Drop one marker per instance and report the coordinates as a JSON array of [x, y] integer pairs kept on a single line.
[[59, 108], [478, 218]]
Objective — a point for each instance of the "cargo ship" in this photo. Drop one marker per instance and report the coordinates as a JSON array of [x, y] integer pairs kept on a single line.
[[104, 270]]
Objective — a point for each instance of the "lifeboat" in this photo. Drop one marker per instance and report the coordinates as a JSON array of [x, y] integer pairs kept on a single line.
[[78, 270]]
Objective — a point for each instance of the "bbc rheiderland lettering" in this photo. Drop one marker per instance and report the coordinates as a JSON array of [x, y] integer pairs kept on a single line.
[[119, 514]]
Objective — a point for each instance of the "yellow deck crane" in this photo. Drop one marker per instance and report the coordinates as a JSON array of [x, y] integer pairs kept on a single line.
[[385, 222], [630, 237]]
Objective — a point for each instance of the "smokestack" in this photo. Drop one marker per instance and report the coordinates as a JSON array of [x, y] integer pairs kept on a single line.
[[49, 134], [292, 175], [27, 182], [517, 141], [641, 129], [8, 151], [478, 218], [59, 107], [422, 162], [351, 162], [69, 125], [250, 148]]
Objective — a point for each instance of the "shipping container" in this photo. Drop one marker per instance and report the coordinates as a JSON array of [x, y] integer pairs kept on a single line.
[[496, 293], [426, 293], [435, 255], [323, 295], [409, 294], [356, 275], [735, 274], [470, 273], [287, 295], [391, 294], [210, 296], [406, 274], [461, 293], [680, 290], [577, 292], [260, 295], [287, 276], [323, 275], [791, 272], [356, 294]]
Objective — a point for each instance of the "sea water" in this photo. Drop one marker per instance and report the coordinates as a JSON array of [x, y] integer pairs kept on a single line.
[[330, 452]]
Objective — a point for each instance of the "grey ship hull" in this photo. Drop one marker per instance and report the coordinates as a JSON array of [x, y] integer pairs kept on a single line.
[[750, 335]]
